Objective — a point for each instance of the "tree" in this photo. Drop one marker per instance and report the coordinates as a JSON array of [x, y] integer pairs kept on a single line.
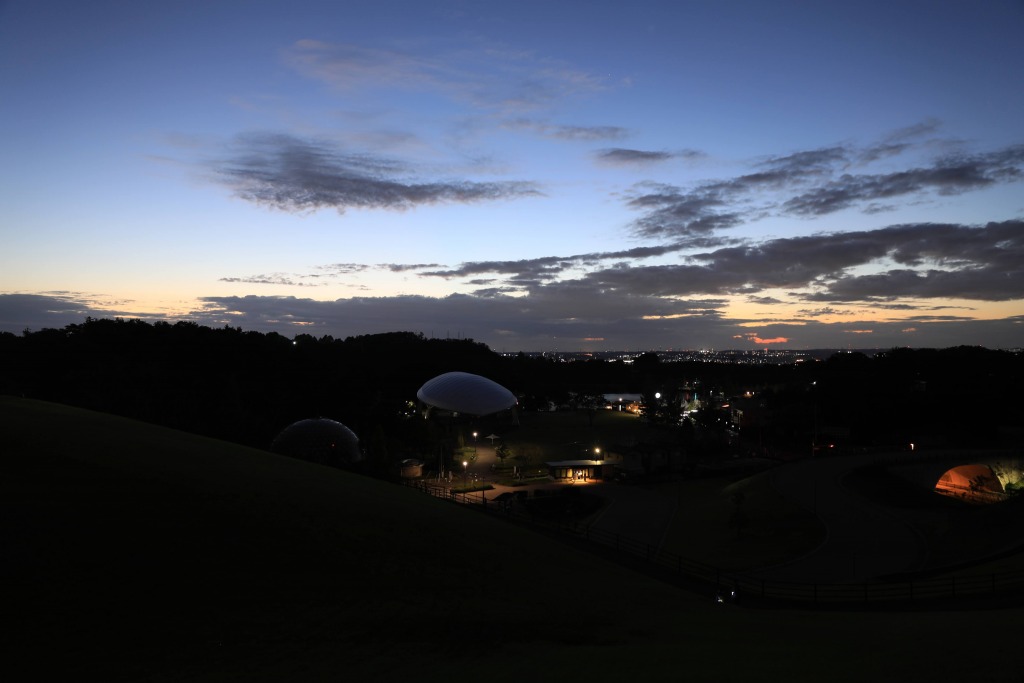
[[502, 451]]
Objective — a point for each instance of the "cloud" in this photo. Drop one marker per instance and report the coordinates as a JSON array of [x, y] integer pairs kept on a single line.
[[754, 338], [405, 267], [964, 262], [36, 311], [909, 262], [550, 267], [549, 314], [567, 132], [812, 183], [620, 156], [558, 316], [820, 312], [343, 268], [946, 177], [977, 263], [671, 213], [675, 212], [914, 262], [291, 174], [274, 279], [486, 77]]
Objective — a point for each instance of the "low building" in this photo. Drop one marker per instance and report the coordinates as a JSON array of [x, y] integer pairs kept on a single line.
[[580, 470]]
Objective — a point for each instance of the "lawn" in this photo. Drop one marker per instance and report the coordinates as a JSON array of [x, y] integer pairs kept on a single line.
[[775, 530], [572, 435], [771, 529], [132, 552]]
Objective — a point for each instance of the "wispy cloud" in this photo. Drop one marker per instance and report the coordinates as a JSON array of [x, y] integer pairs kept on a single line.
[[406, 267], [620, 156], [292, 174], [550, 267], [573, 133], [816, 183], [274, 279], [488, 78], [946, 177]]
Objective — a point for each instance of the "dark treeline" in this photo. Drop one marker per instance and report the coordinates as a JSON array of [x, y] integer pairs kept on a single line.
[[246, 386]]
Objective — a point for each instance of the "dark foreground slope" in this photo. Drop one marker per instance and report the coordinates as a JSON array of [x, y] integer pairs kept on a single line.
[[132, 552]]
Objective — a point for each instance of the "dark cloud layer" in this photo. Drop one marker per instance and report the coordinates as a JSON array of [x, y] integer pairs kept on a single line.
[[548, 267], [19, 312], [918, 261], [36, 311], [915, 271], [548, 318], [291, 174], [946, 261], [978, 263]]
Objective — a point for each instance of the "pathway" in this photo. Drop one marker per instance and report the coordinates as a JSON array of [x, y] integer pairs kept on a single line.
[[863, 541]]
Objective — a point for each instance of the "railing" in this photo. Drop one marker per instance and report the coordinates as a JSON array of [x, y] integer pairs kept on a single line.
[[727, 585]]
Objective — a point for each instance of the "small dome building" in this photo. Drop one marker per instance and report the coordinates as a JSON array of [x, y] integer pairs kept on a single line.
[[323, 441]]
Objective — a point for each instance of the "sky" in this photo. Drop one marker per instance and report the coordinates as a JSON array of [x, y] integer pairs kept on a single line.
[[537, 176]]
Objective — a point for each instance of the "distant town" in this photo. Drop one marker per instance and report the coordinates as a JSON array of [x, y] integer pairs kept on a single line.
[[734, 356]]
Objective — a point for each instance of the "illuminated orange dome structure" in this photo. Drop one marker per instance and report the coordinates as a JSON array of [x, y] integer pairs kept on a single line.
[[462, 392], [320, 440], [969, 481]]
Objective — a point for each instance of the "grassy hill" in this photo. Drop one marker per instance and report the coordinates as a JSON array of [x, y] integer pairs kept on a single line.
[[133, 552]]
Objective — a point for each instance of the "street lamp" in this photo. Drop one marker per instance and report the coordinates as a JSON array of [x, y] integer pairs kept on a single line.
[[465, 471], [474, 437], [597, 452]]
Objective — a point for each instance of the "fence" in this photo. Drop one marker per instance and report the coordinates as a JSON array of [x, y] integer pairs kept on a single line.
[[693, 573]]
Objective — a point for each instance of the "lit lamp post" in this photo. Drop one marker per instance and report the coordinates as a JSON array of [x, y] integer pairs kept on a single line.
[[465, 472], [474, 437], [597, 452]]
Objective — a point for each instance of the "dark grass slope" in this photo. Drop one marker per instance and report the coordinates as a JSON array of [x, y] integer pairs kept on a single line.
[[131, 552]]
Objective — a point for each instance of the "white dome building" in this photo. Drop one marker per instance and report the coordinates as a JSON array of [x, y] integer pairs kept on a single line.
[[462, 392]]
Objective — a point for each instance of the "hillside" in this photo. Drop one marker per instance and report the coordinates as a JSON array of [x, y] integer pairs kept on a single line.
[[134, 552]]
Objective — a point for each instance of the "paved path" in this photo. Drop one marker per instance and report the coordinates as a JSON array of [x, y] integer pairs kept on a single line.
[[634, 513], [630, 511], [863, 540]]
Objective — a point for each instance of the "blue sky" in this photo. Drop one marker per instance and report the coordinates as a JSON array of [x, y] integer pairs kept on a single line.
[[536, 175]]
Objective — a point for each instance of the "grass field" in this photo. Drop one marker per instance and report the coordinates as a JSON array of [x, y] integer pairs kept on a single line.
[[774, 530], [570, 435], [132, 552]]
